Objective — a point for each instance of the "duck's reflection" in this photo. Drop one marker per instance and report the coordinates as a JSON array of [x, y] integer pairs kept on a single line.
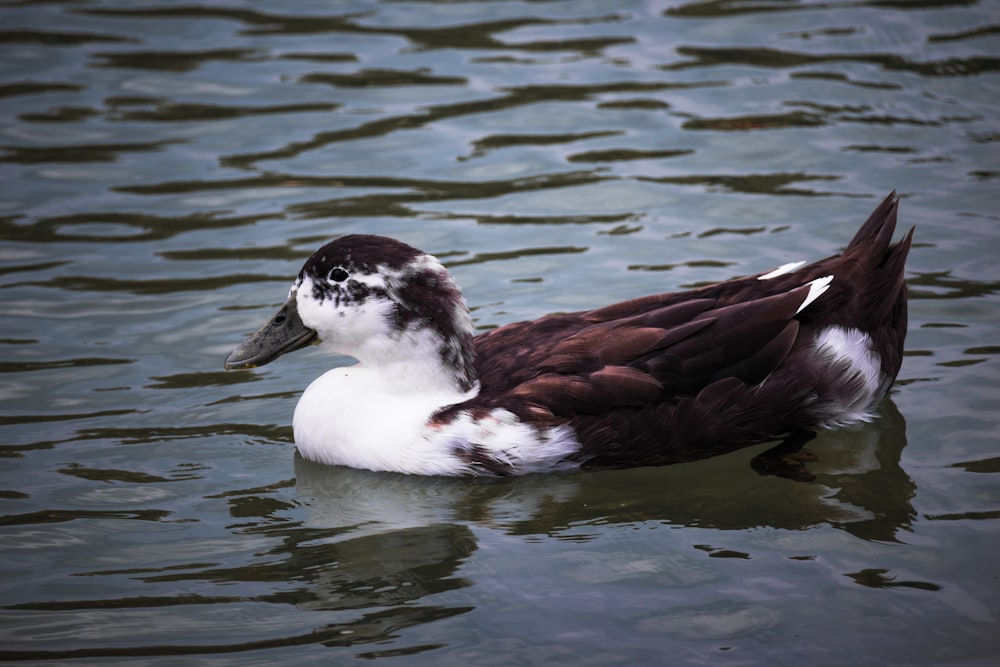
[[385, 576]]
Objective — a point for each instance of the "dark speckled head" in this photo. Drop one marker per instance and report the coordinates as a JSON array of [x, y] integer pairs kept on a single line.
[[365, 253], [345, 269], [412, 288]]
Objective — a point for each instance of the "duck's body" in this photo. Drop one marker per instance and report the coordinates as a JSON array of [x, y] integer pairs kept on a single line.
[[659, 379]]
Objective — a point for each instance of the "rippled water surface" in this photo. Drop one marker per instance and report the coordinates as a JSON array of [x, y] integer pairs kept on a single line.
[[165, 167]]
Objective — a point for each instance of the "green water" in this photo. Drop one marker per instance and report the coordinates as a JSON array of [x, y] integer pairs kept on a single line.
[[166, 167]]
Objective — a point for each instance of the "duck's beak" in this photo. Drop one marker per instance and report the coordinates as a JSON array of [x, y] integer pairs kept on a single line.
[[284, 333]]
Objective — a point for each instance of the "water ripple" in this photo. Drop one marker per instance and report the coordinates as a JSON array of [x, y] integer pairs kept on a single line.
[[777, 58], [166, 168], [80, 152]]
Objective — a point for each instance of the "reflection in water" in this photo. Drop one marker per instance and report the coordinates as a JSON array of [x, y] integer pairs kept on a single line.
[[875, 578], [766, 184], [138, 227], [164, 111], [764, 57], [78, 152], [511, 99], [380, 578]]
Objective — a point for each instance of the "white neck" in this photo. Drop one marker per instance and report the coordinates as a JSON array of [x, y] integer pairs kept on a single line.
[[406, 365], [414, 359]]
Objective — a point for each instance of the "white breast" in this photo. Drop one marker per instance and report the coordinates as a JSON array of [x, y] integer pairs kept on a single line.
[[350, 416], [347, 417]]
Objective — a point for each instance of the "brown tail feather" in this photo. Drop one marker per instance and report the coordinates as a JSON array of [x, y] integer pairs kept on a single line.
[[883, 295], [875, 235]]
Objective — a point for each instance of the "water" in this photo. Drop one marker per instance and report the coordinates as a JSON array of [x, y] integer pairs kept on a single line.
[[167, 166]]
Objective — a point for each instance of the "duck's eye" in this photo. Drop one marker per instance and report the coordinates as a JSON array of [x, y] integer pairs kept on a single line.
[[338, 275]]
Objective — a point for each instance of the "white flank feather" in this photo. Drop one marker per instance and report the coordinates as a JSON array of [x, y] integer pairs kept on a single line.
[[850, 350]]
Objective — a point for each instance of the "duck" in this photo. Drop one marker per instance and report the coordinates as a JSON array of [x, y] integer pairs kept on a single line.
[[655, 380]]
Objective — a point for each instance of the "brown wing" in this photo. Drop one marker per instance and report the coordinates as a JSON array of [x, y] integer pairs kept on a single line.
[[589, 363], [670, 377]]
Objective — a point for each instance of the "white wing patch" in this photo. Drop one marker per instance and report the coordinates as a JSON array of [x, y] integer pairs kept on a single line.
[[782, 270], [816, 288]]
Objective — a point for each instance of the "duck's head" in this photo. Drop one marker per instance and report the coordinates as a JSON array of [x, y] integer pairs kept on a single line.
[[378, 300]]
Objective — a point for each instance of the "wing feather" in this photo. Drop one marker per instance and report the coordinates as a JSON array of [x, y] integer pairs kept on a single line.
[[598, 361]]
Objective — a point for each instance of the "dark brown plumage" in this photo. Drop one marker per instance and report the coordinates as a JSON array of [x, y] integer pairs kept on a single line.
[[681, 376]]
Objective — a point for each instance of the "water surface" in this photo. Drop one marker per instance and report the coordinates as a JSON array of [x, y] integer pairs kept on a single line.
[[167, 166]]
